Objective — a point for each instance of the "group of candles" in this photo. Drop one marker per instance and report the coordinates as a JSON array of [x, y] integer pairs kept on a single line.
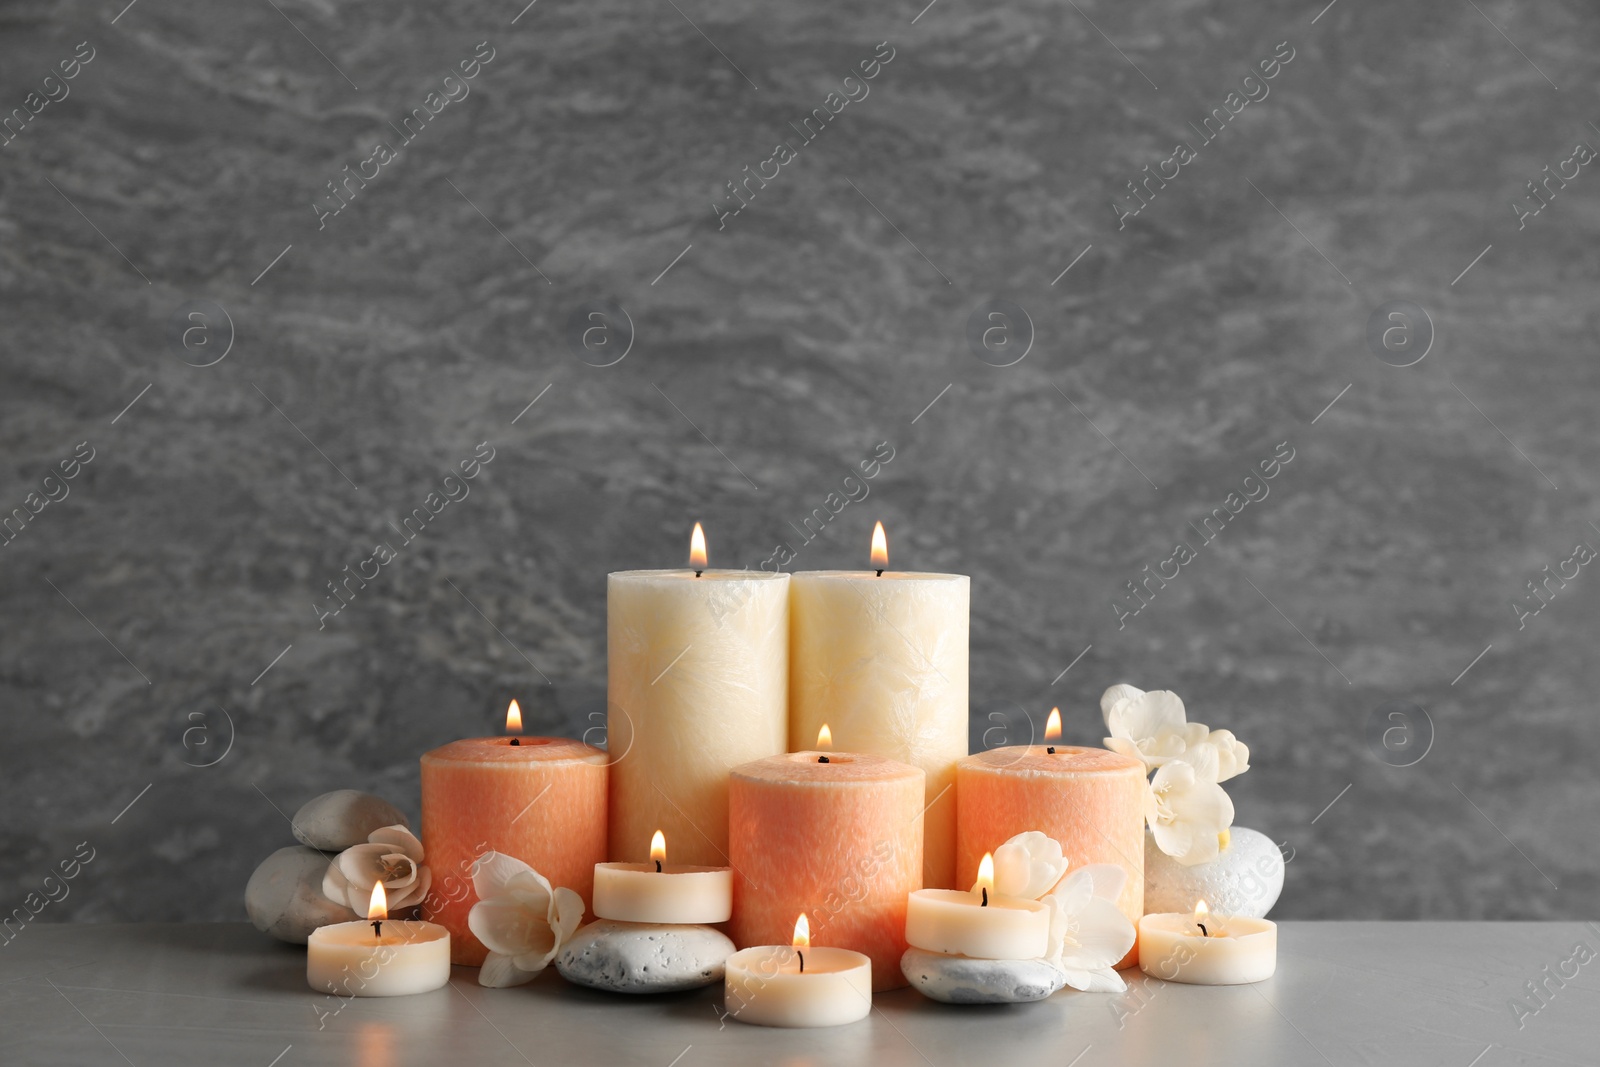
[[720, 683]]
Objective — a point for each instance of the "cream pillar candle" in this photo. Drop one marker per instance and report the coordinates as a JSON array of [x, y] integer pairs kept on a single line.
[[1088, 799], [978, 924], [1227, 951], [881, 656], [833, 834], [697, 677], [801, 986], [378, 958], [661, 892]]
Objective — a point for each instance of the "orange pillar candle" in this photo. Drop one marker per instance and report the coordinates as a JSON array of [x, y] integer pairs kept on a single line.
[[1089, 799], [540, 799], [837, 836]]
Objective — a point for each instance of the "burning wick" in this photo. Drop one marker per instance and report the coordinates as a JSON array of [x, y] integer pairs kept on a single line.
[[880, 549], [985, 878], [802, 939], [1202, 927], [1052, 729], [378, 909], [514, 721], [658, 849], [515, 741], [1201, 913], [697, 550], [658, 871], [824, 742], [985, 903], [377, 927], [802, 956], [822, 759]]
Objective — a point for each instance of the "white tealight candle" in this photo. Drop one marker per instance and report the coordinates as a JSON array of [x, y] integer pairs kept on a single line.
[[771, 985], [658, 892], [1205, 949], [380, 957], [978, 924]]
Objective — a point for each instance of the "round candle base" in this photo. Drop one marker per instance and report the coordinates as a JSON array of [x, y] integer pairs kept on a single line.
[[764, 986], [638, 893], [953, 923], [349, 960], [1234, 951]]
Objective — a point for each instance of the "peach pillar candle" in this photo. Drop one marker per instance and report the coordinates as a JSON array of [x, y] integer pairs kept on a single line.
[[1089, 799], [539, 799], [697, 676], [839, 840], [881, 656]]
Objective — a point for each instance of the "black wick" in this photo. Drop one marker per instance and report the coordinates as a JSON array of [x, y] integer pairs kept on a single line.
[[802, 956], [658, 866], [377, 927], [515, 741], [1203, 932], [698, 573], [1051, 750], [822, 759], [985, 890], [880, 572]]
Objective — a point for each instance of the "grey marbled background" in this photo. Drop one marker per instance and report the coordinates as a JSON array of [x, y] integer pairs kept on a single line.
[[827, 316]]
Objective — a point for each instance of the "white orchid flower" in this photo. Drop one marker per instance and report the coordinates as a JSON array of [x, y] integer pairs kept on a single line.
[[519, 918], [1028, 866], [1089, 935], [1152, 727], [1233, 756], [1186, 809], [393, 856]]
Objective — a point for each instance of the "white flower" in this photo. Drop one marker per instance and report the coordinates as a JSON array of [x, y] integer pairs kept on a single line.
[[1114, 694], [1089, 934], [519, 918], [1187, 809], [393, 856], [1152, 727], [1233, 756], [1028, 866]]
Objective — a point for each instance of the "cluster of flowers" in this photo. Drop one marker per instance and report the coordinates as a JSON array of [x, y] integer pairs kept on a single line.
[[1187, 810]]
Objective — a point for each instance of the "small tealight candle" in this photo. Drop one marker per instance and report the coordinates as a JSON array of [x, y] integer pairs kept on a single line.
[[381, 957], [1206, 949], [658, 892], [800, 986], [978, 924]]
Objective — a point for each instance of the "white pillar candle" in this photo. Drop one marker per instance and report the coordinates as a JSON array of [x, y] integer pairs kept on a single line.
[[956, 923], [697, 684], [881, 657], [1231, 951], [661, 892], [770, 985], [403, 957]]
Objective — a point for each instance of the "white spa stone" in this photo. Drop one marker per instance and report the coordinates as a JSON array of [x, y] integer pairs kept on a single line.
[[622, 957], [284, 897], [963, 980], [335, 821], [1244, 880]]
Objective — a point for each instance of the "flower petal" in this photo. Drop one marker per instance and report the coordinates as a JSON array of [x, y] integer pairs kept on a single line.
[[1104, 935], [336, 887], [414, 893], [1115, 694], [566, 914], [500, 971], [1102, 980], [493, 870], [542, 951], [1108, 879], [400, 838], [362, 864], [507, 927], [1028, 866]]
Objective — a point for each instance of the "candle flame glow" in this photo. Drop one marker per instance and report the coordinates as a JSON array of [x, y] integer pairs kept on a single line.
[[1052, 727], [985, 873], [697, 549], [825, 739], [1201, 912], [802, 932], [658, 847], [379, 906], [514, 718], [880, 547]]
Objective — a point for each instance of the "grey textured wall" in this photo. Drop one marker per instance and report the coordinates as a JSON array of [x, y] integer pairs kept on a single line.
[[182, 572]]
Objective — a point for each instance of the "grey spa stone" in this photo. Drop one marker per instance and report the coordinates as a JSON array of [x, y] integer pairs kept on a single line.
[[622, 957], [284, 896], [963, 980], [335, 821], [1244, 880]]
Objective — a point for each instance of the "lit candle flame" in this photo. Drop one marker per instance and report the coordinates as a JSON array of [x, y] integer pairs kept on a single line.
[[825, 739], [802, 932], [697, 549], [880, 548], [514, 718], [658, 847], [1052, 727], [378, 908], [985, 881], [1201, 912]]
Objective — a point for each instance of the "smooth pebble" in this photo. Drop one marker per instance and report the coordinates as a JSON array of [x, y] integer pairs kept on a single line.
[[1244, 880], [621, 957], [284, 896], [335, 821], [962, 980]]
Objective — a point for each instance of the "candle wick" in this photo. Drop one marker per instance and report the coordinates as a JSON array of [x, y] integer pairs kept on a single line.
[[1051, 750], [985, 891], [377, 927], [880, 572], [1203, 931], [822, 759], [802, 956], [516, 741], [658, 866], [698, 573]]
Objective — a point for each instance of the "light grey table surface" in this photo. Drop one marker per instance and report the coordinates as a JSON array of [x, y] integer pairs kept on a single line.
[[1345, 993]]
